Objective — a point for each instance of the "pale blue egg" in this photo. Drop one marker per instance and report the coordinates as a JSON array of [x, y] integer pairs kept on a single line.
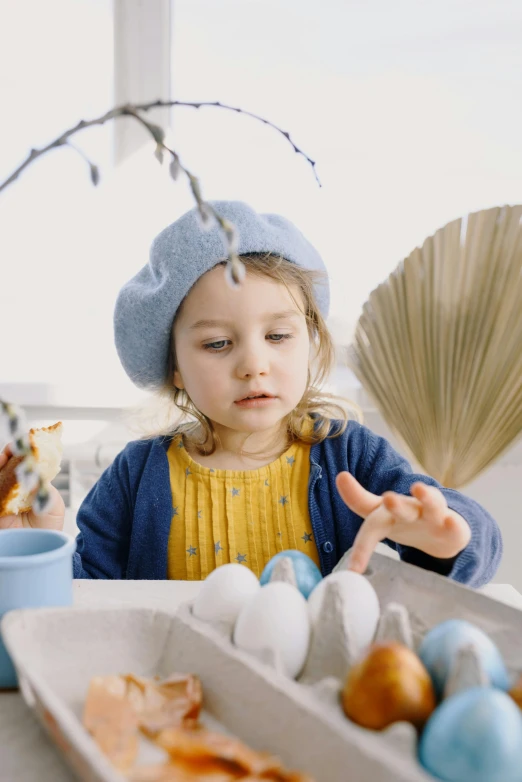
[[474, 736], [307, 574], [441, 644]]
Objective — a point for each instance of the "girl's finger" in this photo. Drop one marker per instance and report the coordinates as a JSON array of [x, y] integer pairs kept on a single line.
[[402, 508], [457, 528], [372, 531], [359, 500], [434, 505], [5, 455]]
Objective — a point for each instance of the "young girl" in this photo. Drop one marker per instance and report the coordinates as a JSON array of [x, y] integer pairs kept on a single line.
[[268, 461]]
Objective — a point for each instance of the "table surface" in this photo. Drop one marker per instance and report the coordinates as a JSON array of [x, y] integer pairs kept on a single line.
[[26, 755]]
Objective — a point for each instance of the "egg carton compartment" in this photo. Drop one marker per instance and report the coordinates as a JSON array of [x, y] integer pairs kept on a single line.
[[57, 652], [431, 599], [412, 601]]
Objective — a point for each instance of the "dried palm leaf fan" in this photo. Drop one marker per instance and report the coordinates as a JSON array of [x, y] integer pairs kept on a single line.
[[439, 345]]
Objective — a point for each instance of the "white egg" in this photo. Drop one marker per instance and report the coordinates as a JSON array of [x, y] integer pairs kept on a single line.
[[224, 592], [359, 601], [277, 619]]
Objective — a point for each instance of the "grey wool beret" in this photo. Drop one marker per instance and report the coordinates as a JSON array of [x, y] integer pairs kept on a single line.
[[179, 256]]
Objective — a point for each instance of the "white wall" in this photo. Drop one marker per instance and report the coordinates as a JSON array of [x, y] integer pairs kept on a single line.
[[410, 109]]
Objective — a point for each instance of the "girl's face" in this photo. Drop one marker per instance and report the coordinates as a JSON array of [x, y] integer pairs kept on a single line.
[[233, 344]]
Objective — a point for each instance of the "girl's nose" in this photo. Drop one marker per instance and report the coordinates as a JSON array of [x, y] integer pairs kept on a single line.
[[252, 361]]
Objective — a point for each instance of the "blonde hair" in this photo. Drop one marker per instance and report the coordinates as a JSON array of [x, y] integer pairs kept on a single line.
[[310, 421]]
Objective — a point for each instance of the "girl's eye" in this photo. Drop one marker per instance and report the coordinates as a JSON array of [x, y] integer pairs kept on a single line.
[[279, 337], [216, 347], [220, 345]]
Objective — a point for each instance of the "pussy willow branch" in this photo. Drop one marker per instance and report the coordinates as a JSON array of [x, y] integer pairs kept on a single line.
[[235, 270], [132, 110]]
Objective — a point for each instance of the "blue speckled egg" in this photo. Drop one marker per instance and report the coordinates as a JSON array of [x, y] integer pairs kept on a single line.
[[441, 644], [307, 574], [474, 736]]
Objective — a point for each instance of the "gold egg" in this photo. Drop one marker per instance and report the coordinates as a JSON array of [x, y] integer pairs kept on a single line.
[[390, 684]]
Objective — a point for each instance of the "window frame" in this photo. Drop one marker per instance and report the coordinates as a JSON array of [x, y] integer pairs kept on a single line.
[[142, 51]]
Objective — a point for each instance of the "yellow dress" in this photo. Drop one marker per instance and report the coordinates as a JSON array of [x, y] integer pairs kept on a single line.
[[243, 516]]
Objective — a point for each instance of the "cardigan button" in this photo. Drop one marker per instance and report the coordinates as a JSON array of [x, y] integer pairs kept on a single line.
[[327, 547]]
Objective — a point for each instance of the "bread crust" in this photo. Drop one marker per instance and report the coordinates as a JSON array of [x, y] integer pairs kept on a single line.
[[9, 486]]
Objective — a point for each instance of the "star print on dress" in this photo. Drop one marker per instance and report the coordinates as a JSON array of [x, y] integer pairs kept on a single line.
[[191, 551], [218, 547], [266, 482], [187, 471], [199, 513], [235, 492], [240, 558], [306, 537], [175, 511], [283, 500], [290, 460]]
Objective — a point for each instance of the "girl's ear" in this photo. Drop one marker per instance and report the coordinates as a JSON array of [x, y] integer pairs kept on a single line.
[[178, 382]]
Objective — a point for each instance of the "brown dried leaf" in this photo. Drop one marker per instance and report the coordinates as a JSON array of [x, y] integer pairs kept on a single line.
[[204, 745], [111, 720], [181, 770], [170, 703]]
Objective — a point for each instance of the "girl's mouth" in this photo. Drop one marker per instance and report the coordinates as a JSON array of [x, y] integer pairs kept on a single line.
[[258, 400]]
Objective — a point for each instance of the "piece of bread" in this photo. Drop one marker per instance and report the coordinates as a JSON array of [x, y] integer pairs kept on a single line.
[[46, 445]]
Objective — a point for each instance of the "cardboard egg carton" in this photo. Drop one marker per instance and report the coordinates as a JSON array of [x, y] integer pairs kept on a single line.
[[412, 601], [57, 651]]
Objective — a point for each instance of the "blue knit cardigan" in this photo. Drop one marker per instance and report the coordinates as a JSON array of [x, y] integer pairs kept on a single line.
[[125, 519]]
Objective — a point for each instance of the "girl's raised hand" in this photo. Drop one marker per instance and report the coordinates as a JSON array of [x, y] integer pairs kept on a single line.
[[52, 519], [422, 521]]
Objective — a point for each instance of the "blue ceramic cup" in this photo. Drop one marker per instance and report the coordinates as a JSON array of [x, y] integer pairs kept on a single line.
[[35, 571]]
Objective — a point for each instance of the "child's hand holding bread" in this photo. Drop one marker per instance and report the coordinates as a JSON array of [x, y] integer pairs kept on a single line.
[[15, 501]]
